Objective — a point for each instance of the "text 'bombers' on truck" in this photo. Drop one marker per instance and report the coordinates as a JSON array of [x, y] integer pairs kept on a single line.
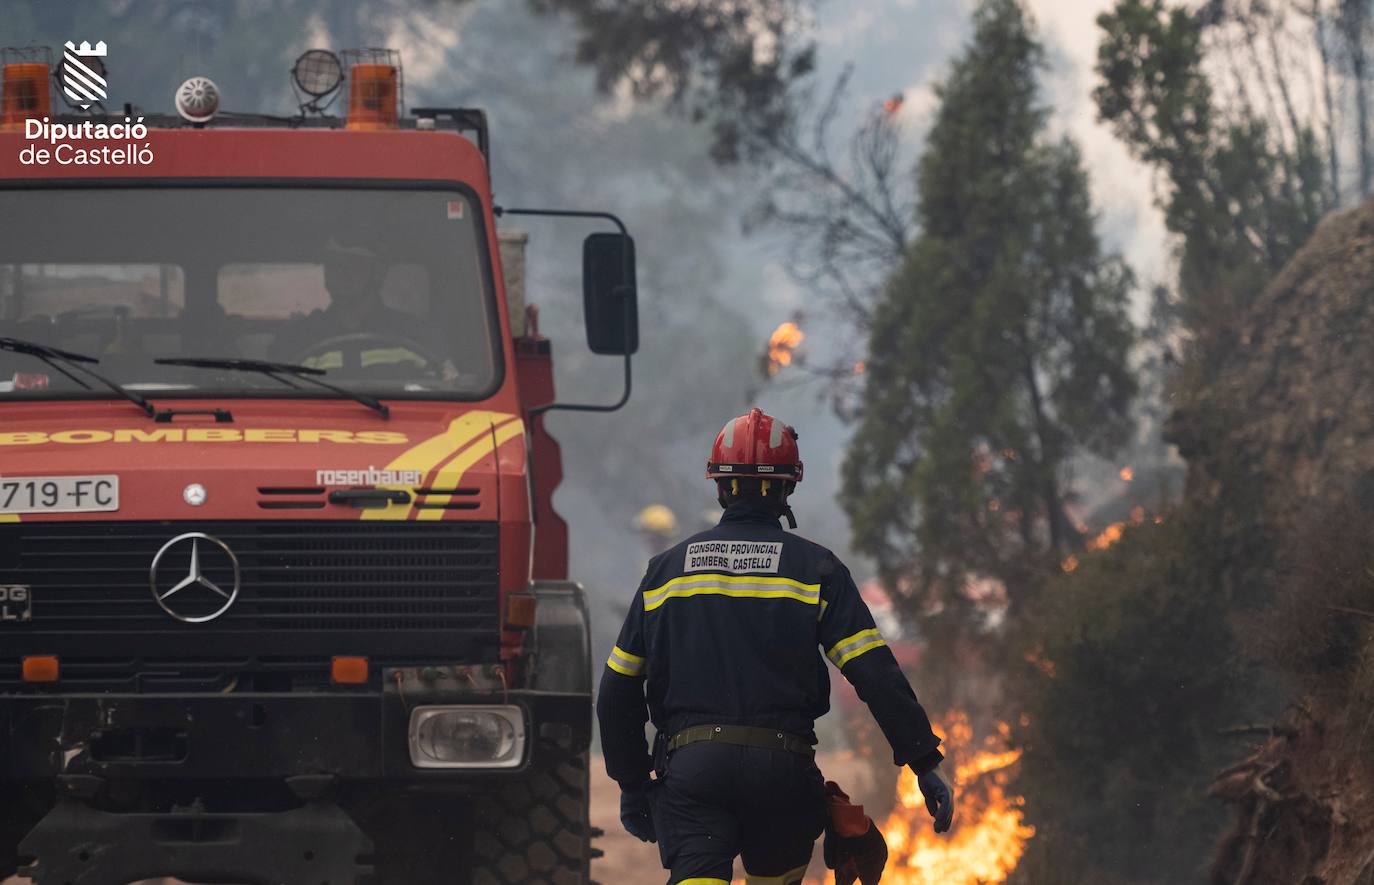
[[283, 596]]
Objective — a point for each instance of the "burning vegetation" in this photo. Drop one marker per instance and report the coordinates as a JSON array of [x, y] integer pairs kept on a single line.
[[782, 347], [1106, 538], [989, 834]]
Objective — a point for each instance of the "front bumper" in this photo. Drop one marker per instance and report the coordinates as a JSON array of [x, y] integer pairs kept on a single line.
[[76, 844], [351, 735], [226, 753]]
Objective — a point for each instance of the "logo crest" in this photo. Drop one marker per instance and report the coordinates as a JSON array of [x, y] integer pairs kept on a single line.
[[195, 578], [83, 74]]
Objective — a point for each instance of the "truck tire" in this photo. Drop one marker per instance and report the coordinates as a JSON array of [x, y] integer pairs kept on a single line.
[[23, 807], [536, 832], [415, 838]]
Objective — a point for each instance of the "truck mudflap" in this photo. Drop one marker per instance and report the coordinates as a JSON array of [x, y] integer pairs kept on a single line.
[[76, 844]]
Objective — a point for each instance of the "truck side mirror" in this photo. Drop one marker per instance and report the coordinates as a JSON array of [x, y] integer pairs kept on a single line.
[[609, 294]]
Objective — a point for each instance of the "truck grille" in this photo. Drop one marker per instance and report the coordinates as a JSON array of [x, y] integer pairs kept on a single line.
[[379, 585]]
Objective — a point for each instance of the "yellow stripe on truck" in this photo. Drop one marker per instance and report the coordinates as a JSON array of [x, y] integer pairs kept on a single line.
[[429, 454], [124, 435], [509, 431], [451, 473]]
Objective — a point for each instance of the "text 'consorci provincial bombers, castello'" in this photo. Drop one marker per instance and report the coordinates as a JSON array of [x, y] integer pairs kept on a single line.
[[734, 556]]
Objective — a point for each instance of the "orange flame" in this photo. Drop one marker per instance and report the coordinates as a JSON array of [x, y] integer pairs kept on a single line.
[[989, 834], [782, 345], [1108, 536], [1038, 660], [1126, 473]]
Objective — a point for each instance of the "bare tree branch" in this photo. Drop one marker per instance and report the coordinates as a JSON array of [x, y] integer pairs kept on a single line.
[[1333, 156], [847, 223], [1276, 59]]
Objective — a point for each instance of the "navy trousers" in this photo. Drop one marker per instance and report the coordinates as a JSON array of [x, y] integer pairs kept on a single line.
[[719, 801]]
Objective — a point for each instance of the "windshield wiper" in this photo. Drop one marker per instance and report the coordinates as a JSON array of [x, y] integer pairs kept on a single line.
[[279, 372], [55, 358]]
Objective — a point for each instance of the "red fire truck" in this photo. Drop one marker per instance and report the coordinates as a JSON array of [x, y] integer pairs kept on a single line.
[[283, 596]]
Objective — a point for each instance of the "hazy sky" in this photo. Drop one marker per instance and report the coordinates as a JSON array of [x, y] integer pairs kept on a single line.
[[905, 46]]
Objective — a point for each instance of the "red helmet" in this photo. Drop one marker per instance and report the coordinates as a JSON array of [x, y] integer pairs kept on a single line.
[[756, 445]]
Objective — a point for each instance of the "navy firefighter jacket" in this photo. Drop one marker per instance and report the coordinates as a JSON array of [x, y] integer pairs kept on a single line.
[[728, 628]]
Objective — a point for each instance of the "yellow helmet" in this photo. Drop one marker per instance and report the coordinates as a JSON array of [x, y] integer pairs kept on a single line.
[[656, 519]]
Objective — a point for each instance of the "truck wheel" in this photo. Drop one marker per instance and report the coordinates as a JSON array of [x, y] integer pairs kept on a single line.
[[24, 806], [417, 839], [536, 832]]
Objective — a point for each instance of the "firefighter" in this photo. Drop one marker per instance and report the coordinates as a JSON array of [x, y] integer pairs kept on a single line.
[[358, 330], [721, 650]]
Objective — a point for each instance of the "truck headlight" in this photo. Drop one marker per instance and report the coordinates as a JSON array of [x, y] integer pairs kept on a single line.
[[467, 737]]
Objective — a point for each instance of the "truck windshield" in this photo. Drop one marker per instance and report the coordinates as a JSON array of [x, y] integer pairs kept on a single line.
[[387, 290]]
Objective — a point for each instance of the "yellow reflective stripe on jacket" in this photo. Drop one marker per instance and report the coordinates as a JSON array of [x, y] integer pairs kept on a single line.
[[700, 881], [791, 877], [851, 647], [737, 586], [625, 663]]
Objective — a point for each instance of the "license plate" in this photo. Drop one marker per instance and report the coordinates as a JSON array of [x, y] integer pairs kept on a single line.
[[58, 494], [16, 604]]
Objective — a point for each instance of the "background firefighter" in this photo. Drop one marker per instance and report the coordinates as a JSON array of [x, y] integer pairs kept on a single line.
[[720, 651]]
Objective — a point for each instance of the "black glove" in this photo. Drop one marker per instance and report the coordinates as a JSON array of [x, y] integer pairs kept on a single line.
[[636, 812], [939, 799], [860, 858]]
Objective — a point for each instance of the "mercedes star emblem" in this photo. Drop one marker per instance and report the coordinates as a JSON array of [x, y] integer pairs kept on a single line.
[[199, 593]]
